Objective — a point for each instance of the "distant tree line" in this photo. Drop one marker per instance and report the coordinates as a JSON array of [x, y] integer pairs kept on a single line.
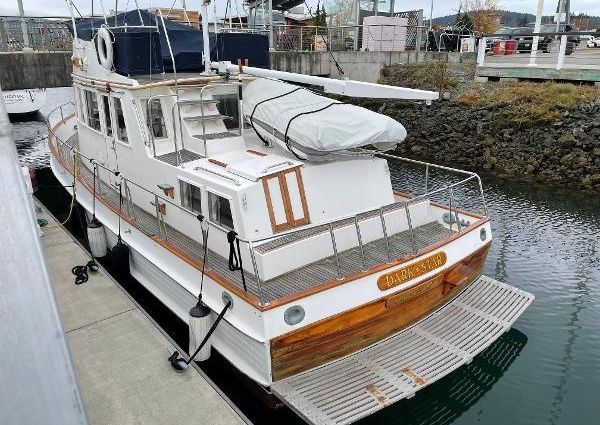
[[582, 21]]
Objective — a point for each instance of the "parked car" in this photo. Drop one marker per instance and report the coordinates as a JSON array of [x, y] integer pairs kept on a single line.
[[551, 42], [593, 42], [524, 41], [501, 34]]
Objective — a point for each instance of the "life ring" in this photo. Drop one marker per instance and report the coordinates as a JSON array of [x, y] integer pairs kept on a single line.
[[105, 48]]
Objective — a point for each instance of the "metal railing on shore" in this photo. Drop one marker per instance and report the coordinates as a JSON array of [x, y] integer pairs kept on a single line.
[[17, 34], [310, 38], [551, 50], [388, 217]]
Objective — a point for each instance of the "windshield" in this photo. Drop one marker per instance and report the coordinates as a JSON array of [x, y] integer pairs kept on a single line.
[[503, 31]]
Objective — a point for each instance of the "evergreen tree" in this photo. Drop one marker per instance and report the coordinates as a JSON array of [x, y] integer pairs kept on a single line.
[[464, 21], [320, 16]]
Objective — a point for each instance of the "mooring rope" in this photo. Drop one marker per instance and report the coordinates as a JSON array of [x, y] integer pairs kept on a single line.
[[76, 172]]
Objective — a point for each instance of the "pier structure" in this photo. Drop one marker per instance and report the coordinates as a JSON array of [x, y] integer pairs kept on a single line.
[[120, 355]]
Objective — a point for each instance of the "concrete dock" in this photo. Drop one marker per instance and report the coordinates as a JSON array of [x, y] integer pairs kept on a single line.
[[120, 356]]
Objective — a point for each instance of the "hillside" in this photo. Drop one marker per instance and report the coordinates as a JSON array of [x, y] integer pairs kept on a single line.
[[514, 19]]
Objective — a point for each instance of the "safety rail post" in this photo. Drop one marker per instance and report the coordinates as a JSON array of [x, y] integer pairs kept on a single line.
[[485, 211], [129, 199], [96, 171], [426, 178], [203, 123], [168, 43], [360, 243], [385, 234], [410, 228], [335, 251], [481, 51], [157, 207], [455, 210], [261, 296], [561, 52]]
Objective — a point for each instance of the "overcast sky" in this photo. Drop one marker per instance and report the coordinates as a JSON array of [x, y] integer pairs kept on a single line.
[[440, 8]]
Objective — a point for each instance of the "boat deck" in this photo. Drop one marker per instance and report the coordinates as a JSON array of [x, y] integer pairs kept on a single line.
[[306, 277], [356, 386]]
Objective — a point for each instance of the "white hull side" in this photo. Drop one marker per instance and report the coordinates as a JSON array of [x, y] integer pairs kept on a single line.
[[24, 101], [251, 356]]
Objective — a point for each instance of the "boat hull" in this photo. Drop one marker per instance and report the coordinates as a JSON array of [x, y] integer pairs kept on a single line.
[[24, 101]]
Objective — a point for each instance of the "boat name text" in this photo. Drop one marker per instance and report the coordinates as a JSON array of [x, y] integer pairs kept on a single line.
[[414, 292], [404, 274]]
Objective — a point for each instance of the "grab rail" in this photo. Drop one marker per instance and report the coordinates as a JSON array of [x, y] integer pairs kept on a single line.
[[168, 43]]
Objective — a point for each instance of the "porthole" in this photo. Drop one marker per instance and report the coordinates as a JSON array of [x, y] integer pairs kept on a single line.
[[483, 234], [227, 298], [294, 315]]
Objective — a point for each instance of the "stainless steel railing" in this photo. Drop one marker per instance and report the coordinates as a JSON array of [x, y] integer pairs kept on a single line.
[[380, 214]]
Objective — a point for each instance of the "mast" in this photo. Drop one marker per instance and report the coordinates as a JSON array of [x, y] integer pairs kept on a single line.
[[205, 40]]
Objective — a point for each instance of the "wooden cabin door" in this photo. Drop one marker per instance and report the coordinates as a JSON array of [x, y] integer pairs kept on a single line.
[[286, 200]]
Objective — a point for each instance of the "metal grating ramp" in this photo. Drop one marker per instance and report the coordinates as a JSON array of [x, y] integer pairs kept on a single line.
[[184, 156], [358, 385]]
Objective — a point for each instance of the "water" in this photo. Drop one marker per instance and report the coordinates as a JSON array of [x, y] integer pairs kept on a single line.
[[544, 371]]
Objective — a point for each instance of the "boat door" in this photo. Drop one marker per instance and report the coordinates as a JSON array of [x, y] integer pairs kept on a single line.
[[286, 200]]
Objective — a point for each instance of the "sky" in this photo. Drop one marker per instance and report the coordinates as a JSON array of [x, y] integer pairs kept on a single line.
[[440, 7]]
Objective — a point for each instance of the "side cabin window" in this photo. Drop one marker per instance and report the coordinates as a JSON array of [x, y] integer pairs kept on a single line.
[[155, 119], [107, 117], [219, 210], [93, 113], [121, 128], [190, 197]]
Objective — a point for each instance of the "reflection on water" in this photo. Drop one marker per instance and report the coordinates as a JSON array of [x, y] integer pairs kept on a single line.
[[30, 131], [546, 242]]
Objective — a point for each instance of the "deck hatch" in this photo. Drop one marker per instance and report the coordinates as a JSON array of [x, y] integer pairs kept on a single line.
[[358, 385]]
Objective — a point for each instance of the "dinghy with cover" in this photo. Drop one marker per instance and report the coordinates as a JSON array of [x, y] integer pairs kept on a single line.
[[314, 127]]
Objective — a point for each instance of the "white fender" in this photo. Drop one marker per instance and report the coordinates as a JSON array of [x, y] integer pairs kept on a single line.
[[105, 48]]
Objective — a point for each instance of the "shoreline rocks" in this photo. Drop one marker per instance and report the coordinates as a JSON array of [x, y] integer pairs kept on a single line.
[[565, 152]]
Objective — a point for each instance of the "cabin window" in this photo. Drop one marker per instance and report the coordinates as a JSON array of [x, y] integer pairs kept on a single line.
[[220, 210], [191, 197], [121, 128], [107, 118], [93, 113], [155, 119]]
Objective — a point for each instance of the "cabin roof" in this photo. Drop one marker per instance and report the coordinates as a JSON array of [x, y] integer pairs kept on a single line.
[[243, 168]]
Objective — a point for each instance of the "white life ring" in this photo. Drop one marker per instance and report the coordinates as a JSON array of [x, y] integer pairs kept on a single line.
[[105, 48]]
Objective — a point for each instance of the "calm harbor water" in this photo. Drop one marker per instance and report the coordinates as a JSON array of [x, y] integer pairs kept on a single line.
[[546, 370]]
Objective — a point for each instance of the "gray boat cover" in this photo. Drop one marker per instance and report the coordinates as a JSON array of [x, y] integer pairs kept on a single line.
[[315, 126]]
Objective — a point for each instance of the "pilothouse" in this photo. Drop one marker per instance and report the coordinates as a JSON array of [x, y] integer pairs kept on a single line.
[[262, 212]]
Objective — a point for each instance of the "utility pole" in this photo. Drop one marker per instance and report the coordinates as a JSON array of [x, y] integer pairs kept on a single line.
[[26, 42], [431, 16], [536, 38], [271, 44]]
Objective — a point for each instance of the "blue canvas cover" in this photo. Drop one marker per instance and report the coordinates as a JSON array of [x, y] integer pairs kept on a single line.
[[186, 42]]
